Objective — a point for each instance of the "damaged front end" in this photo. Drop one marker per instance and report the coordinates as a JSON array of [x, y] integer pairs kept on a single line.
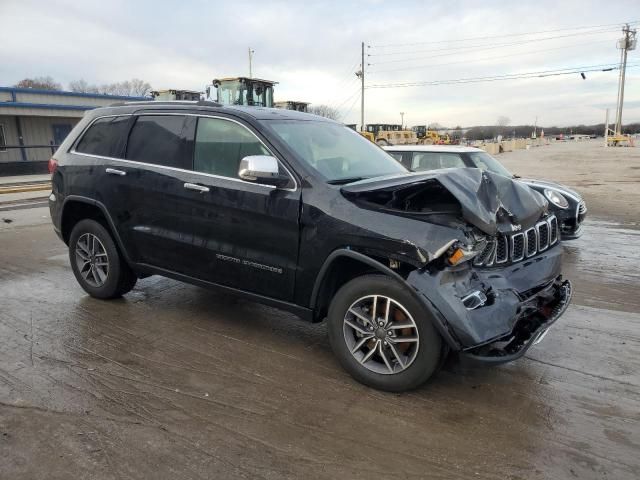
[[495, 288]]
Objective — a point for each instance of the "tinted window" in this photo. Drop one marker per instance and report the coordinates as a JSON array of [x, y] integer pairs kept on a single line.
[[221, 144], [160, 140], [433, 160], [105, 137]]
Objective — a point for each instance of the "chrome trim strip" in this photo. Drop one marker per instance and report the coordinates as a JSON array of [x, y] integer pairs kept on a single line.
[[134, 162]]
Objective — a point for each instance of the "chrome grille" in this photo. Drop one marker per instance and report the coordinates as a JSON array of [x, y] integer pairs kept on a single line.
[[520, 245]]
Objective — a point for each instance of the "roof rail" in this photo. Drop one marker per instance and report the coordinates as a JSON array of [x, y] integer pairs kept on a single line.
[[200, 103]]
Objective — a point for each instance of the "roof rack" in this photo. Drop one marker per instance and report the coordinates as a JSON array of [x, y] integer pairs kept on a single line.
[[199, 103]]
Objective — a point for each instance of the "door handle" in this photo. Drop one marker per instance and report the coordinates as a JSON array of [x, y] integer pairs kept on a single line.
[[113, 171], [196, 187]]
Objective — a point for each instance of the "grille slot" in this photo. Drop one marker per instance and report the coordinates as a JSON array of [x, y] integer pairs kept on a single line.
[[532, 242], [553, 230], [543, 235], [502, 249], [517, 247], [520, 245]]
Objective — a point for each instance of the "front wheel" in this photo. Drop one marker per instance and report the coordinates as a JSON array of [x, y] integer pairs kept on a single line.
[[382, 143], [382, 335]]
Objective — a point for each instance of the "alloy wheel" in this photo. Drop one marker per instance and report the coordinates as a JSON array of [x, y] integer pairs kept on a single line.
[[92, 260], [381, 334]]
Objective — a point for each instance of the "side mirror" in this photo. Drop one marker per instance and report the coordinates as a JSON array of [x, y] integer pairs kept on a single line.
[[262, 169]]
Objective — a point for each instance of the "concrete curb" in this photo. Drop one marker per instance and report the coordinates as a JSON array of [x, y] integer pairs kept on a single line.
[[25, 188]]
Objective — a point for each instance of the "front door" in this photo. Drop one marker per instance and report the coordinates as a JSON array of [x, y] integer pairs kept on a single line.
[[246, 234]]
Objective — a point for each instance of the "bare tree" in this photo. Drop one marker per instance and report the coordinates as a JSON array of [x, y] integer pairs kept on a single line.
[[503, 121], [324, 111], [42, 83], [139, 88], [127, 88], [81, 86]]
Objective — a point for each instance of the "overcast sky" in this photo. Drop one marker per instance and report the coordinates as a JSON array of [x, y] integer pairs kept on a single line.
[[313, 50]]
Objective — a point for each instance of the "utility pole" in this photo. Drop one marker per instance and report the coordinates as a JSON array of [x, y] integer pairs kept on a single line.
[[626, 43], [360, 74], [251, 52], [402, 120]]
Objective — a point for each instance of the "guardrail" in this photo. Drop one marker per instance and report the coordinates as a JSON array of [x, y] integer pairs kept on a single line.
[[51, 146]]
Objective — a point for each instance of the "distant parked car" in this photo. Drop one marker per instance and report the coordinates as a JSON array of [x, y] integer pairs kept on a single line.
[[565, 203]]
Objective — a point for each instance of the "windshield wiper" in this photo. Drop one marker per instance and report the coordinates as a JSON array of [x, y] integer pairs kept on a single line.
[[343, 181]]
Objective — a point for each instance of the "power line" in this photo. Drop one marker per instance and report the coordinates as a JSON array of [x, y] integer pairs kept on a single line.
[[511, 76], [353, 104], [495, 57], [501, 35], [479, 48]]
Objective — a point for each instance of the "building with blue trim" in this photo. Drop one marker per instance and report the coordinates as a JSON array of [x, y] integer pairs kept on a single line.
[[33, 122]]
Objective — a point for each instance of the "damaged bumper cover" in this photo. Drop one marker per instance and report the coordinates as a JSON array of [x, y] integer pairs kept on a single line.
[[495, 314]]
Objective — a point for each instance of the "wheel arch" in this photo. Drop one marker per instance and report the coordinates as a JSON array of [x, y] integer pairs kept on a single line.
[[76, 208], [343, 265]]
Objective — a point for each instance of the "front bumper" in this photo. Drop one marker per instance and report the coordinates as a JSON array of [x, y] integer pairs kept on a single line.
[[495, 314], [538, 314]]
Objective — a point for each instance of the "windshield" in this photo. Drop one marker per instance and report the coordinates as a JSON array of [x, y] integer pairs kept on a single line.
[[486, 162], [338, 153]]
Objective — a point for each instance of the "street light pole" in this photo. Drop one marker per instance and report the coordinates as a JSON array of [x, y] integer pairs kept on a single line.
[[626, 43], [402, 120], [251, 52]]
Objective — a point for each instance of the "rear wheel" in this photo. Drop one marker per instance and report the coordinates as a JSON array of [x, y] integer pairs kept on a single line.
[[381, 335], [96, 262]]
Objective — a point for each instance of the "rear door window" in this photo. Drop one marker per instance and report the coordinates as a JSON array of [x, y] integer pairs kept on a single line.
[[105, 137], [221, 144], [160, 140], [433, 160]]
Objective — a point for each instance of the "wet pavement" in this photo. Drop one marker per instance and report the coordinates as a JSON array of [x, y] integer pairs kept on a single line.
[[174, 381]]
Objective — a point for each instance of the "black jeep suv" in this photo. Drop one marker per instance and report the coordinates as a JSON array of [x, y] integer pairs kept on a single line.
[[304, 214]]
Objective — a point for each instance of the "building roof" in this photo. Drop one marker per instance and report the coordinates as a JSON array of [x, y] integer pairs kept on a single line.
[[37, 102]]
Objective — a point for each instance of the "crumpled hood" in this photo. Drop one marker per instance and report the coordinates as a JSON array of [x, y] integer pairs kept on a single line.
[[493, 203]]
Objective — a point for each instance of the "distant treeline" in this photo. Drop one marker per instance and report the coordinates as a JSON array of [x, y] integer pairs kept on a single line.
[[492, 131]]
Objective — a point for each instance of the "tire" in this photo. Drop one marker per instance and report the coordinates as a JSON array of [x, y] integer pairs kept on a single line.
[[420, 359], [96, 262], [382, 143]]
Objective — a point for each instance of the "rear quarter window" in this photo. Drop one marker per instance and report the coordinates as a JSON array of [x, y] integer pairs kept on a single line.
[[105, 137]]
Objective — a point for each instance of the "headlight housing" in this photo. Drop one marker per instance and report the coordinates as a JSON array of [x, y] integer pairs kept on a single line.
[[556, 198]]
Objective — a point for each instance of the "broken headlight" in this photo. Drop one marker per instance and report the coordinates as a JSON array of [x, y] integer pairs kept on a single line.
[[556, 198], [459, 252]]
